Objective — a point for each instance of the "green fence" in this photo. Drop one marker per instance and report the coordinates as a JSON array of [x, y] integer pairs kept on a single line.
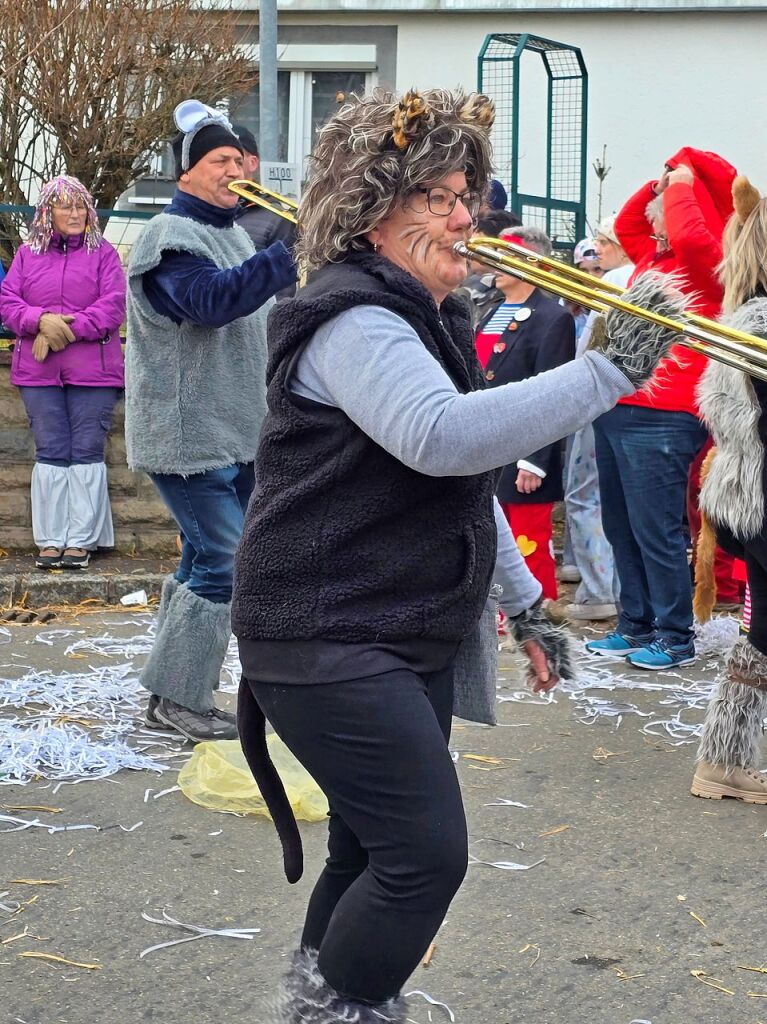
[[542, 139]]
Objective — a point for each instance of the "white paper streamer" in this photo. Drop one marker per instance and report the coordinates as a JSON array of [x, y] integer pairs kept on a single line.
[[503, 802], [504, 865], [11, 906], [198, 932], [432, 1002], [24, 823], [63, 752]]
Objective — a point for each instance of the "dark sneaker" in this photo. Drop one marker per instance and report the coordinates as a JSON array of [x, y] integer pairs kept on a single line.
[[197, 726], [618, 644], [75, 558], [662, 653], [49, 558], [150, 718]]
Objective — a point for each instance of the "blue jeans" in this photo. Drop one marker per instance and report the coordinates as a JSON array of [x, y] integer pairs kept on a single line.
[[643, 457], [210, 510]]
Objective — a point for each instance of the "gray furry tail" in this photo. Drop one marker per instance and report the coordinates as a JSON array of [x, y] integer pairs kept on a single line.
[[554, 640], [732, 730], [634, 345], [306, 998]]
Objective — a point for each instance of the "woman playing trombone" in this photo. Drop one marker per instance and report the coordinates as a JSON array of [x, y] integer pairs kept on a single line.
[[370, 542]]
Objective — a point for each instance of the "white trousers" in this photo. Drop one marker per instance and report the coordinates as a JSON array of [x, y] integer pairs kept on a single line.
[[70, 507]]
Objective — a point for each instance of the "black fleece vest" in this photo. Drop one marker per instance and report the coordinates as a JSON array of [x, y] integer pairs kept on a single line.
[[342, 541]]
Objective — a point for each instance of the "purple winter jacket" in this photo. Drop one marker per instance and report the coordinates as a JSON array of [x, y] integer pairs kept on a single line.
[[66, 279]]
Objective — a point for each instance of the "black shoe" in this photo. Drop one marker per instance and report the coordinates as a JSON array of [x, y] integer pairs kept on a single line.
[[75, 558], [51, 560], [196, 726]]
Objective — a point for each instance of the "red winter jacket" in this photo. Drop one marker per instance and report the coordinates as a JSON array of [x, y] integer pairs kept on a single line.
[[695, 218]]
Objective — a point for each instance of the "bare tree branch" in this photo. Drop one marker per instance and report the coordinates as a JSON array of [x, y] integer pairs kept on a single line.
[[89, 87]]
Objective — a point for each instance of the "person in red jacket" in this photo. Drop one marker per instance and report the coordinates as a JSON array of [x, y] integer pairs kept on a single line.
[[646, 444]]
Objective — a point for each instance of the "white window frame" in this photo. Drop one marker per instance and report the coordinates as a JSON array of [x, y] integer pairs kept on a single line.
[[301, 61], [300, 139]]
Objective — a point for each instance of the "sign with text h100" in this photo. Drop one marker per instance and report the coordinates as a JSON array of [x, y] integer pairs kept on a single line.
[[282, 178]]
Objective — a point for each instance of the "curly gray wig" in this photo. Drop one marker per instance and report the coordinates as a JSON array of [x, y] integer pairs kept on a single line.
[[375, 151]]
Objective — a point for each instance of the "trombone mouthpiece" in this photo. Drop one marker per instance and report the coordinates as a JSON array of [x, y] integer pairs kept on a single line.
[[462, 249]]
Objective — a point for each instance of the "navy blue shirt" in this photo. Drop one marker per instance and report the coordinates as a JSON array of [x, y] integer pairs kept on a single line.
[[184, 286]]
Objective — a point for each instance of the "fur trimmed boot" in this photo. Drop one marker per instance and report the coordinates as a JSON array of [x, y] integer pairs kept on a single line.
[[307, 998], [730, 747], [185, 662], [169, 587]]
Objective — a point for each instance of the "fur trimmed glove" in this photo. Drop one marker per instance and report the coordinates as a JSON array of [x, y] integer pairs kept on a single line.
[[634, 345], [538, 625]]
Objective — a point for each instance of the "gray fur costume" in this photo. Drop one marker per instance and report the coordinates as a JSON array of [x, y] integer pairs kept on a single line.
[[195, 401], [732, 496], [195, 397], [732, 493], [189, 648], [732, 730]]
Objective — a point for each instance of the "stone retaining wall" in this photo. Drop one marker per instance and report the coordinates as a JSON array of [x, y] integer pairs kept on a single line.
[[142, 523]]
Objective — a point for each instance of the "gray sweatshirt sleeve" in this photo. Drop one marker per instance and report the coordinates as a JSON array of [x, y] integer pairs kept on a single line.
[[369, 362], [520, 588]]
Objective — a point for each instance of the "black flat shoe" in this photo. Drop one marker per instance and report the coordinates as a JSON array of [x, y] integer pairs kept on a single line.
[[75, 558], [49, 558]]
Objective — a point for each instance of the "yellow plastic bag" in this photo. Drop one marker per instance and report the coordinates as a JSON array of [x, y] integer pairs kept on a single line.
[[217, 777]]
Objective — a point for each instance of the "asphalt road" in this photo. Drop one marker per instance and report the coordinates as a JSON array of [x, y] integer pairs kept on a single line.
[[646, 898]]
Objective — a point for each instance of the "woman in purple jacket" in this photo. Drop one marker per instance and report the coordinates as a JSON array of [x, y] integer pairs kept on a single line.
[[64, 298]]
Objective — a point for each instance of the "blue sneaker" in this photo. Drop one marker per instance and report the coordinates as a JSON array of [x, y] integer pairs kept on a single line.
[[662, 653], [618, 644]]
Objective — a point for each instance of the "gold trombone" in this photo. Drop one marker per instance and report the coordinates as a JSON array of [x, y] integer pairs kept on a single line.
[[708, 337], [259, 195], [725, 344]]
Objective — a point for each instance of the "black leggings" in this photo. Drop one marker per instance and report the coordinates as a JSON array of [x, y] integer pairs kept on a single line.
[[754, 554], [398, 848]]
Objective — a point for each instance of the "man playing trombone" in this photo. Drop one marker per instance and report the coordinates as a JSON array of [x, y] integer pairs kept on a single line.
[[195, 398]]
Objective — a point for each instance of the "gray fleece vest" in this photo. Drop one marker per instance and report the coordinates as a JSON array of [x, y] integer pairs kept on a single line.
[[195, 397]]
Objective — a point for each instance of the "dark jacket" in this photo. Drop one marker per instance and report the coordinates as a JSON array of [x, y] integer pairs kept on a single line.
[[342, 541], [545, 340], [265, 229]]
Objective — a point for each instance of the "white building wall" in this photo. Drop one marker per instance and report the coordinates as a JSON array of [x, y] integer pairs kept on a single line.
[[657, 81]]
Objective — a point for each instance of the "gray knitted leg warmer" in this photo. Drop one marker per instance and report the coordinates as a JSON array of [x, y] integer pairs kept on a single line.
[[732, 730], [307, 998], [185, 661]]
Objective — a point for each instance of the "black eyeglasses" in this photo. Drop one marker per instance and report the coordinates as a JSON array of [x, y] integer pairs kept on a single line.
[[441, 200]]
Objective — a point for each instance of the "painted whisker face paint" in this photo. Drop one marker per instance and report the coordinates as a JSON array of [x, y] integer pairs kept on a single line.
[[421, 242], [417, 241]]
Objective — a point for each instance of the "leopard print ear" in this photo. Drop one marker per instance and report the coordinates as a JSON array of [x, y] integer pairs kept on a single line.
[[478, 109], [411, 112], [745, 198]]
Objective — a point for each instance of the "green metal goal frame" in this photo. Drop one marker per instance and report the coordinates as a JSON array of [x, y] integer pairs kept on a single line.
[[562, 210]]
